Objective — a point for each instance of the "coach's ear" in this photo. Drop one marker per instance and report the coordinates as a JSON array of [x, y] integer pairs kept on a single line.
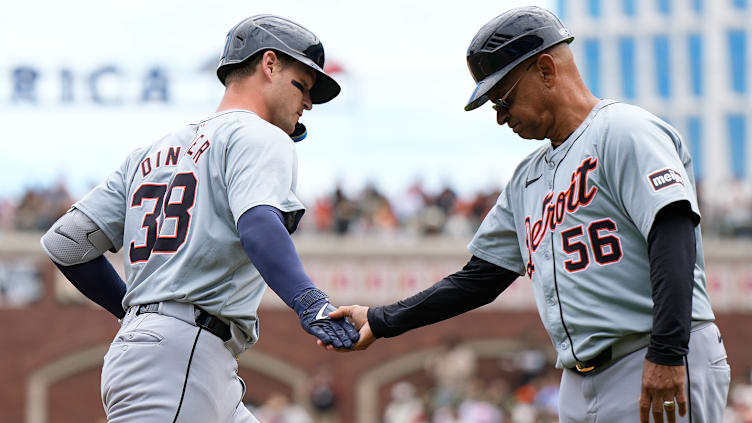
[[299, 133]]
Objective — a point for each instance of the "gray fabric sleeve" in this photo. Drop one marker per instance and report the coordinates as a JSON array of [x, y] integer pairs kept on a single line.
[[107, 203], [642, 165], [496, 239], [259, 170]]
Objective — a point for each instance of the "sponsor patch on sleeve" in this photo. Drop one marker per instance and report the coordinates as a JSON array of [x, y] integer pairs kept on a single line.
[[664, 178]]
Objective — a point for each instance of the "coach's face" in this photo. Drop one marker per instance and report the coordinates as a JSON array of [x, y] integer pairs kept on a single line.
[[520, 99], [290, 94]]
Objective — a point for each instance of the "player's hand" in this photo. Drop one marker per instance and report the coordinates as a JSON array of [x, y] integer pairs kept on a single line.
[[337, 333], [358, 315], [662, 383]]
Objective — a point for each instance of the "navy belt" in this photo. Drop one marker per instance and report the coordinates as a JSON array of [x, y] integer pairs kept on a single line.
[[203, 320]]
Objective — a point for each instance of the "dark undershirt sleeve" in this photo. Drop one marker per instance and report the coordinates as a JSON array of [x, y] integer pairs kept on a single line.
[[268, 244], [99, 281], [477, 284], [672, 253]]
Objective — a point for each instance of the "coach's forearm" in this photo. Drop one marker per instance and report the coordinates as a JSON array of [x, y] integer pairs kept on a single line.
[[477, 284], [671, 248]]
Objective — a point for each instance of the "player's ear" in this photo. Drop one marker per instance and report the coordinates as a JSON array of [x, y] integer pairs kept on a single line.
[[269, 63], [545, 67]]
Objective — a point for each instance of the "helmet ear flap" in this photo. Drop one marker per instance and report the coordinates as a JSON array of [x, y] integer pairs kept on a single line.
[[299, 133]]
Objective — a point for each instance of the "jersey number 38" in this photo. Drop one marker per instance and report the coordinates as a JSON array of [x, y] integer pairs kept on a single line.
[[173, 208]]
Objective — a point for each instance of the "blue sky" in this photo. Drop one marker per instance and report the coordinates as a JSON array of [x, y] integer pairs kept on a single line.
[[399, 116]]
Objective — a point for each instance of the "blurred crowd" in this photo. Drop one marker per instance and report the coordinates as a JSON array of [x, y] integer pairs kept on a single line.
[[739, 406], [322, 400], [36, 209], [726, 209], [417, 211]]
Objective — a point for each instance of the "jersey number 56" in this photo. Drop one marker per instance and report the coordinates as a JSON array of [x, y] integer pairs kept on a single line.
[[606, 247]]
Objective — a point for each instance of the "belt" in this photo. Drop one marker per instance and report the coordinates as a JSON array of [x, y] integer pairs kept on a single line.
[[621, 348], [203, 320], [595, 364]]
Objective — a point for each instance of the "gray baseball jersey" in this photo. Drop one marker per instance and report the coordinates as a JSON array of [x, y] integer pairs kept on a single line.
[[174, 206], [575, 219]]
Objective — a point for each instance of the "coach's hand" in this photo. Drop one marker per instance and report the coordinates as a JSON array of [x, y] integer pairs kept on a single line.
[[313, 309], [359, 316], [662, 390]]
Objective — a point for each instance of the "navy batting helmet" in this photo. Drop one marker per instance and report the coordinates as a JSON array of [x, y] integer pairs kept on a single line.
[[506, 41], [269, 32]]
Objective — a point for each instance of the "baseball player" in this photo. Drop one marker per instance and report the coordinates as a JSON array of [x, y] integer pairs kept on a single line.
[[604, 221], [204, 216]]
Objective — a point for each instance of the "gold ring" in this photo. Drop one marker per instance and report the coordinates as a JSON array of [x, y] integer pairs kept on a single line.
[[668, 405]]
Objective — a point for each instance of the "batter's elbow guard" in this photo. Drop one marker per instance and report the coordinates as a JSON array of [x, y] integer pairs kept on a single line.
[[75, 239]]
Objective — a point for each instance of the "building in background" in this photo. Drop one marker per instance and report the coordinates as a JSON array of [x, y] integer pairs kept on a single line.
[[686, 61]]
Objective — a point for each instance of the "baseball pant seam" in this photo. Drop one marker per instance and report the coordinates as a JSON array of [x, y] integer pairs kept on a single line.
[[689, 388], [187, 372]]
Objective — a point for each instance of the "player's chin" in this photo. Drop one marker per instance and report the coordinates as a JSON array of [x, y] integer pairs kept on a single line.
[[293, 122], [528, 135], [288, 127], [521, 132]]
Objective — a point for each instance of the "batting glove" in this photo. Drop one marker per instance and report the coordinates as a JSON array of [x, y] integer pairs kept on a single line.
[[313, 308]]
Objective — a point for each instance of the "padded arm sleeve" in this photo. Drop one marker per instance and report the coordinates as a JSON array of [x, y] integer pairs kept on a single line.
[[76, 244], [75, 239]]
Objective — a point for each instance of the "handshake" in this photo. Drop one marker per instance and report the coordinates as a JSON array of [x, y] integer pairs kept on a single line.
[[342, 329]]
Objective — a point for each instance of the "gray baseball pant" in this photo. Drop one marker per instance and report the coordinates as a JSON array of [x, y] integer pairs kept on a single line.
[[162, 368], [612, 396]]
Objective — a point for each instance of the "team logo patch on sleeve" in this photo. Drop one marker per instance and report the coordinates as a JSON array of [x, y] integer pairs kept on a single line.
[[665, 178]]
